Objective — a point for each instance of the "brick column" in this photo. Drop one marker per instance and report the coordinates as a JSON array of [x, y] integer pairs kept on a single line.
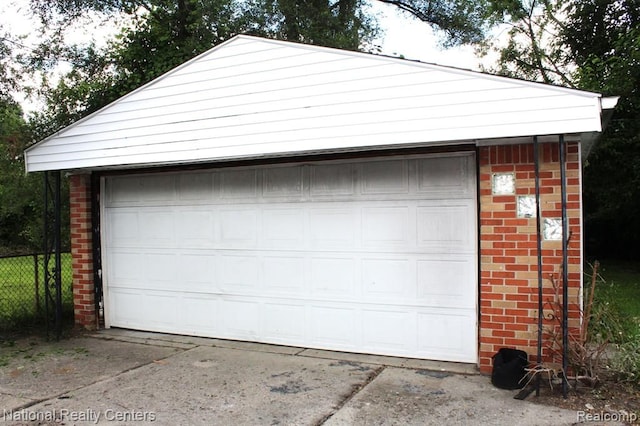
[[81, 251], [508, 248]]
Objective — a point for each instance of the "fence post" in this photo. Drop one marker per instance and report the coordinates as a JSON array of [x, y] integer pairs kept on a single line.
[[37, 282]]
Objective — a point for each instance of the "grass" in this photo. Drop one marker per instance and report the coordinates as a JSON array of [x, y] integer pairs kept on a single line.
[[22, 292], [621, 290]]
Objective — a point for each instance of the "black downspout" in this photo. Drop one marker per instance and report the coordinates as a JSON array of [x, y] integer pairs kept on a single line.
[[52, 282], [58, 248], [536, 160], [46, 251], [96, 248], [565, 272]]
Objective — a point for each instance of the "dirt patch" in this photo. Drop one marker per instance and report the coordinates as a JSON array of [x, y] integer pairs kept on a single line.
[[607, 398]]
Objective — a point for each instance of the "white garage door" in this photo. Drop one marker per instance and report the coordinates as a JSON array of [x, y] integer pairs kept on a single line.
[[375, 256]]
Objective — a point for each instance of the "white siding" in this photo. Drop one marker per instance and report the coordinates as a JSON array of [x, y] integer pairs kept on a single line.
[[253, 97]]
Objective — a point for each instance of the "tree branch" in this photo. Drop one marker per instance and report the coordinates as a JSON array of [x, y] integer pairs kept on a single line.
[[411, 9]]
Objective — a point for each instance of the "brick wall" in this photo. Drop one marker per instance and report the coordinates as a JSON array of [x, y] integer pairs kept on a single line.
[[508, 248], [81, 250]]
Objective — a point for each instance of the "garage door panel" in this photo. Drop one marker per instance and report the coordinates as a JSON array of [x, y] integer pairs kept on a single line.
[[196, 187], [144, 308], [282, 182], [437, 176], [331, 180], [333, 327], [376, 256], [200, 313], [161, 271], [449, 340], [123, 229], [128, 303], [285, 323], [387, 279], [332, 227], [240, 319], [124, 268], [333, 277], [283, 275], [444, 282], [446, 227], [197, 272], [195, 228], [238, 272], [239, 227], [385, 177], [388, 330], [238, 184], [156, 227], [157, 188], [386, 226], [284, 227]]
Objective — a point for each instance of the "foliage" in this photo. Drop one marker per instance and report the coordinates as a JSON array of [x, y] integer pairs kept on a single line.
[[9, 73], [591, 45], [606, 344], [585, 349], [458, 21], [626, 362], [605, 39], [20, 205], [533, 50], [161, 34]]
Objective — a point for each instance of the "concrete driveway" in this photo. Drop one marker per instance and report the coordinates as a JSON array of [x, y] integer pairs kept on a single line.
[[127, 377]]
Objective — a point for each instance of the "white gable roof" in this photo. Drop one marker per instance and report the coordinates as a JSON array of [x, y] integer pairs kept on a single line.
[[251, 97]]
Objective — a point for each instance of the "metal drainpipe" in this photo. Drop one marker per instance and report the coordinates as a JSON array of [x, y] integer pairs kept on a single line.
[[95, 245], [565, 262], [536, 160], [58, 248], [45, 249]]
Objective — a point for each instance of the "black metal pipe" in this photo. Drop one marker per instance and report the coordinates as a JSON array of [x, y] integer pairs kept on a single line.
[[565, 267], [58, 245], [95, 245], [45, 249], [536, 161]]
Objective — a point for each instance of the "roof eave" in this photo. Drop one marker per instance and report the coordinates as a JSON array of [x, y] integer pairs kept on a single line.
[[589, 139]]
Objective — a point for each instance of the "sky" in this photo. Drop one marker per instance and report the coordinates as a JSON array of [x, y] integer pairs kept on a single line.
[[402, 35]]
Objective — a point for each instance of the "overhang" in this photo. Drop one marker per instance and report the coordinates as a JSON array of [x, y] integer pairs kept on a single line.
[[258, 98]]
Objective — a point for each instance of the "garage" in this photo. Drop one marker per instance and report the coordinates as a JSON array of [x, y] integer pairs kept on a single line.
[[374, 255], [278, 192]]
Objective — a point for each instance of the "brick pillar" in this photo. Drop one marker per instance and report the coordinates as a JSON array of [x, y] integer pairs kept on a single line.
[[508, 248], [81, 251]]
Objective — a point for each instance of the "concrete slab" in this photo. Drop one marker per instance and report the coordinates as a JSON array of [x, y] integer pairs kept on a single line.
[[209, 385], [188, 342], [126, 377], [35, 370], [423, 364], [400, 396]]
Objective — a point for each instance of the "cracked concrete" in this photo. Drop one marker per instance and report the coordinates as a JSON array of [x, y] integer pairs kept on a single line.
[[129, 377]]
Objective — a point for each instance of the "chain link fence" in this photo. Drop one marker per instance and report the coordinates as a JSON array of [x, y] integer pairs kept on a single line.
[[22, 291]]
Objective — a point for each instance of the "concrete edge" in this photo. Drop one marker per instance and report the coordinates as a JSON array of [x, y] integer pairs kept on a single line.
[[190, 342]]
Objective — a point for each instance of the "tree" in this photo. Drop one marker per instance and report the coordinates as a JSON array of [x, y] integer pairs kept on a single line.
[[20, 205], [162, 34], [591, 45], [459, 21], [533, 50], [603, 36]]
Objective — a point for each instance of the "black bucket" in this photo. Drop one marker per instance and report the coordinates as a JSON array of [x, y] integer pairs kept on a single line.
[[509, 368]]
